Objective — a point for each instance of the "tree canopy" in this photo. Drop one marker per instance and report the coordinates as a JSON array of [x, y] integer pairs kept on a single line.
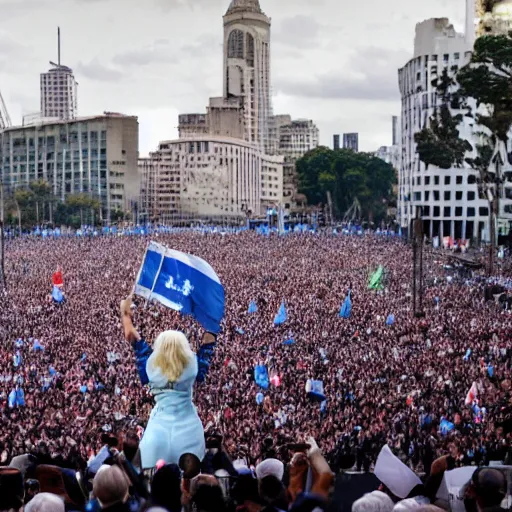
[[347, 175], [37, 204]]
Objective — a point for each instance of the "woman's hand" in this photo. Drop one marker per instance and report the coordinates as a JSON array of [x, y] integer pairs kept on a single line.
[[126, 307]]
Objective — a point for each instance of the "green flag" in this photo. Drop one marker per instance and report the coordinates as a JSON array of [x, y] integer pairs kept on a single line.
[[376, 279]]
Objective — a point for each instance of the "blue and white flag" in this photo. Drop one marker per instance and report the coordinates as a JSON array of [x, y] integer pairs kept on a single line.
[[346, 308], [57, 295], [446, 426], [182, 282], [281, 316], [252, 307], [468, 353]]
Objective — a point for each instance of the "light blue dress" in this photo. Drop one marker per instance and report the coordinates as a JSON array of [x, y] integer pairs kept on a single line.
[[174, 427]]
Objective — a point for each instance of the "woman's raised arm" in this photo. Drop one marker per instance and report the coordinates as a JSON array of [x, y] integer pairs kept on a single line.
[[141, 348]]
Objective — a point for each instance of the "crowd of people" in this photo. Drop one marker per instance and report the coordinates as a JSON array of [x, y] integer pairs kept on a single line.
[[404, 382]]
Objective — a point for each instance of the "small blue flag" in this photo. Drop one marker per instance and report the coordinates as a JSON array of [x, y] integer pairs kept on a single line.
[[281, 316], [289, 341], [468, 353], [490, 370], [57, 295], [182, 282], [252, 307], [446, 426], [346, 308], [240, 331], [259, 398], [261, 376], [390, 320]]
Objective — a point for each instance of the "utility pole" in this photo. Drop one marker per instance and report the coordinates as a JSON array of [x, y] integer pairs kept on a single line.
[[417, 265]]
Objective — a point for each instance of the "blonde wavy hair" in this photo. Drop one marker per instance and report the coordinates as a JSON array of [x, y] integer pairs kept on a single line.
[[172, 354]]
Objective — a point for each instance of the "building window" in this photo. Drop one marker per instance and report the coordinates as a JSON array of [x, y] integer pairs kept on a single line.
[[236, 45], [446, 56], [471, 196], [471, 212], [436, 195], [437, 211], [426, 211], [427, 180], [459, 180], [458, 196], [417, 196], [458, 211], [456, 56], [427, 195], [447, 195], [483, 211], [447, 180], [436, 180], [447, 211]]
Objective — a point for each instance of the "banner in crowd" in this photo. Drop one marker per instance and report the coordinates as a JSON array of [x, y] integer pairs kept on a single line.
[[182, 282]]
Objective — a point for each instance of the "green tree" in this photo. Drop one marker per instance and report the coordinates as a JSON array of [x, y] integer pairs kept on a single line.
[[347, 176], [76, 210], [440, 144]]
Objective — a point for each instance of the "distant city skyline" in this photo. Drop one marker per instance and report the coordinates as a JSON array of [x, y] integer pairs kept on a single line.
[[323, 66]]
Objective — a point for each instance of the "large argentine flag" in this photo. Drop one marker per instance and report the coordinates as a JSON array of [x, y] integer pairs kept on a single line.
[[182, 282]]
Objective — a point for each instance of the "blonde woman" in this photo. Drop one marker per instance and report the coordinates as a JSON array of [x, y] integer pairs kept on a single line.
[[171, 369]]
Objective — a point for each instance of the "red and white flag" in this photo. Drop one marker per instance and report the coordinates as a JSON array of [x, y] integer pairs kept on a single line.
[[472, 394]]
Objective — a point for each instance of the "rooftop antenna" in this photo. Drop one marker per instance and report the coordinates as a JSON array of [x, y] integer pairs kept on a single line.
[[58, 45]]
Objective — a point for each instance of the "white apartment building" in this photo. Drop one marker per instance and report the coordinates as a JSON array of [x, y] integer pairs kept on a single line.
[[59, 93], [94, 155], [210, 177], [448, 198]]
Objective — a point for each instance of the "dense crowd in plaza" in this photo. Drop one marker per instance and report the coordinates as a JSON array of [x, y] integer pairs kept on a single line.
[[403, 384]]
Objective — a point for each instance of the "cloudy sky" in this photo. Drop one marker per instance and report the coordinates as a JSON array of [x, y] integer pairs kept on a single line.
[[333, 61]]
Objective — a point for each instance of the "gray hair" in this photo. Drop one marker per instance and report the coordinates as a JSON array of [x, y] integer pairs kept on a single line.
[[45, 502], [375, 501]]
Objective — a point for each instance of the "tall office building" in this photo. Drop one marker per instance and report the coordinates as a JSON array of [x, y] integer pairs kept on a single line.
[[59, 91], [225, 163], [351, 141], [395, 131], [336, 142], [448, 199], [295, 139], [94, 155], [247, 68]]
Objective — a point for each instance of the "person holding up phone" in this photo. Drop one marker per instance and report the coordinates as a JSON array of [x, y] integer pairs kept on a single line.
[[171, 369]]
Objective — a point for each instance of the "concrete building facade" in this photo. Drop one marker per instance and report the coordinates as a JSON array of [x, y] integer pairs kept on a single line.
[[209, 177], [295, 140], [448, 199], [93, 155], [59, 94]]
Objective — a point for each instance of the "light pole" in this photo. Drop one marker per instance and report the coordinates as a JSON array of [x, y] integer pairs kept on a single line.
[[417, 264]]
